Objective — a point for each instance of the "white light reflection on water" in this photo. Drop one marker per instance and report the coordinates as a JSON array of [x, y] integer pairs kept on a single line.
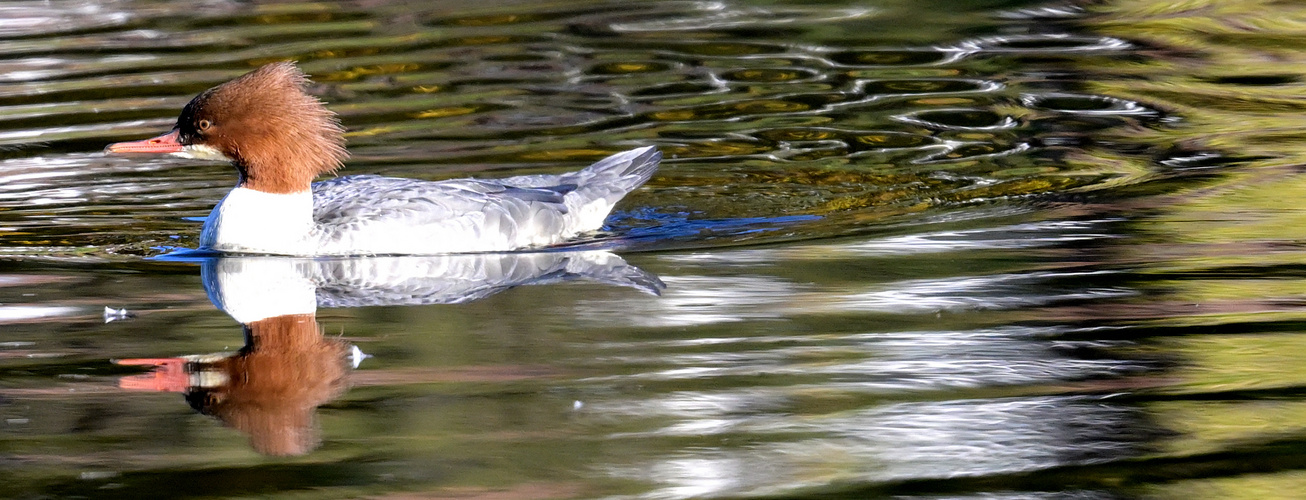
[[720, 15], [1016, 236], [876, 362], [700, 300], [895, 442], [1039, 43], [12, 314], [46, 17], [82, 180], [999, 291]]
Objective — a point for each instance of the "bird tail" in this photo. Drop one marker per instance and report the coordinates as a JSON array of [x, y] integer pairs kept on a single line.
[[614, 176], [599, 186]]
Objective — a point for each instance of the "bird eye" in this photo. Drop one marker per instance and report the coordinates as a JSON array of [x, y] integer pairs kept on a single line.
[[204, 125]]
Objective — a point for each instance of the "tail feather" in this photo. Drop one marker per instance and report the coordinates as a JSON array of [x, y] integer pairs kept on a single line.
[[628, 168], [611, 178]]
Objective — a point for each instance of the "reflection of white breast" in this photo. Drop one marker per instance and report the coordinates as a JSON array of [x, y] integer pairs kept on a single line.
[[254, 288], [250, 288]]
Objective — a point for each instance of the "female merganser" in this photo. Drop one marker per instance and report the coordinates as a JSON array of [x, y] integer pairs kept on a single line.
[[280, 139]]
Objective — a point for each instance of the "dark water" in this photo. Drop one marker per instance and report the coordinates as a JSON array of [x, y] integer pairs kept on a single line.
[[926, 249]]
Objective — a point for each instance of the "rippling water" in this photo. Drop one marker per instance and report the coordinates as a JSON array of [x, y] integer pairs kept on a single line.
[[985, 249]]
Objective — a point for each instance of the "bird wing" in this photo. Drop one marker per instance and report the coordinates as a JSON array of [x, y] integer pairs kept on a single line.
[[467, 209]]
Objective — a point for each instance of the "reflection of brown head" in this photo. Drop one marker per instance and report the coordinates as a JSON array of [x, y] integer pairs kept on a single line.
[[270, 388], [277, 381]]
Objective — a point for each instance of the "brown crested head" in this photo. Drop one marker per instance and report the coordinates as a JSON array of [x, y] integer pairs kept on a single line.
[[279, 137]]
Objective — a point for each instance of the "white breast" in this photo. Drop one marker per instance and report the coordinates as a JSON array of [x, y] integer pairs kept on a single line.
[[250, 221]]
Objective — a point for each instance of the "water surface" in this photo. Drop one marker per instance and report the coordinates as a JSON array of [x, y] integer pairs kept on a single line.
[[985, 249]]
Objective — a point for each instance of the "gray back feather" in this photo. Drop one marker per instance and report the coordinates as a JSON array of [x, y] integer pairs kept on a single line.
[[533, 204]]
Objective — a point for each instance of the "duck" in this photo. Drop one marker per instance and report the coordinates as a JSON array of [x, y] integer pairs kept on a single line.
[[280, 139]]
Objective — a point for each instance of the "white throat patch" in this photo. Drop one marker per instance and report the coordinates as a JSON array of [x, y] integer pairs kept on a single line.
[[201, 152]]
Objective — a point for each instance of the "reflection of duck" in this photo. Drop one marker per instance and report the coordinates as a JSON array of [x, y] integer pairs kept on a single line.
[[271, 387], [268, 390], [280, 139], [253, 288]]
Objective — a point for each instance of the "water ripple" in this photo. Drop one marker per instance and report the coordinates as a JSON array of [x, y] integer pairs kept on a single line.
[[435, 94], [908, 441]]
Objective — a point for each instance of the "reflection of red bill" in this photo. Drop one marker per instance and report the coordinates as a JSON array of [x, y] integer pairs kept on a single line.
[[166, 143], [168, 376]]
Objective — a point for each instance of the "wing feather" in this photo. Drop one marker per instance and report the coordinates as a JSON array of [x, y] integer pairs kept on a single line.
[[467, 209]]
